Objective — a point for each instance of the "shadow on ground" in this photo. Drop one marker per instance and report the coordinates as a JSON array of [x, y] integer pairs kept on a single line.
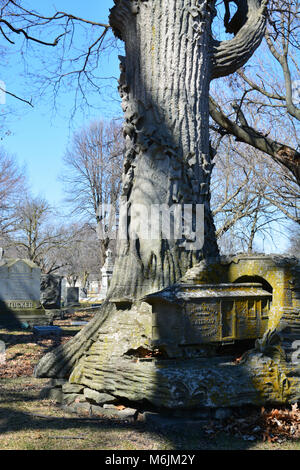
[[23, 413]]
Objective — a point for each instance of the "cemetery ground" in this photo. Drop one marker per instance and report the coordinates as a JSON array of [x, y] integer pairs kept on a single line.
[[30, 422]]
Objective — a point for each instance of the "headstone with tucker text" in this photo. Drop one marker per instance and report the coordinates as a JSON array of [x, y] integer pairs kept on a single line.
[[20, 293]]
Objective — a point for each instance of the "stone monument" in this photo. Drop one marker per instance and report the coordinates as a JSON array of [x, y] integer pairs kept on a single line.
[[20, 293], [176, 318], [64, 283], [106, 274], [72, 295], [83, 293], [51, 291]]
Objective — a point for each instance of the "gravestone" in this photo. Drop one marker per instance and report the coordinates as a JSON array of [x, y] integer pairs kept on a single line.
[[191, 315], [20, 293], [64, 283], [93, 287], [47, 330], [82, 293], [106, 272], [72, 295], [2, 352], [50, 291]]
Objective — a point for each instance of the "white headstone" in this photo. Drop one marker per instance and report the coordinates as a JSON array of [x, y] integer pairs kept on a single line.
[[64, 284], [106, 271]]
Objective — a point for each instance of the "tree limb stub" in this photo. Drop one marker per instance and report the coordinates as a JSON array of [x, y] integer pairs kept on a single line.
[[232, 54]]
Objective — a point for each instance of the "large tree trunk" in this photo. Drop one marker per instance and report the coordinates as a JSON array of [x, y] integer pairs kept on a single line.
[[170, 60], [164, 88]]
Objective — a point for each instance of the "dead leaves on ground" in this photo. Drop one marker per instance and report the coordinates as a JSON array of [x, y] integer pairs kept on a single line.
[[24, 349], [281, 424], [20, 360], [273, 426]]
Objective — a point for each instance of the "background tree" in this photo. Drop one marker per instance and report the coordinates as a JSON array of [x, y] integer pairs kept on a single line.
[[82, 255], [37, 234], [260, 105], [68, 48], [294, 246], [253, 198], [12, 187], [92, 177]]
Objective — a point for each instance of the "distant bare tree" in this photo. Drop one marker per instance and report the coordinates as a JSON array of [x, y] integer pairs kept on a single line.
[[82, 256], [12, 187], [294, 245], [260, 106], [67, 51], [251, 196], [93, 168], [37, 235]]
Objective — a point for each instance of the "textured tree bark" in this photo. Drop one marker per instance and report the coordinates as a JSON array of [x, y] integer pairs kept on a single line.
[[170, 61], [164, 87]]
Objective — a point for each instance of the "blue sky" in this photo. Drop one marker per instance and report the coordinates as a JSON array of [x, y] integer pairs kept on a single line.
[[40, 135]]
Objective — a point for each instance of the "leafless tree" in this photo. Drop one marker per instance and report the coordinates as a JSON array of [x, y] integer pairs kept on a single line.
[[69, 49], [294, 245], [82, 256], [92, 177], [12, 187], [38, 236], [251, 196], [260, 106]]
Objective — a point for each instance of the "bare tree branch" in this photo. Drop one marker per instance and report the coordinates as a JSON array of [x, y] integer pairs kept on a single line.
[[281, 153]]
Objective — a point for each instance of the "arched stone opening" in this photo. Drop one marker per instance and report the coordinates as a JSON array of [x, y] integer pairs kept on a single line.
[[256, 279]]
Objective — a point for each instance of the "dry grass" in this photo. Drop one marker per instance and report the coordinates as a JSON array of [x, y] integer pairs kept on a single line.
[[23, 428]]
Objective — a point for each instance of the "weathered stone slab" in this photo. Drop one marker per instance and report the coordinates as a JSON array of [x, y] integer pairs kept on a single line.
[[72, 388], [72, 295], [209, 313], [97, 397], [20, 293], [197, 383], [47, 330], [70, 398], [20, 283], [51, 291]]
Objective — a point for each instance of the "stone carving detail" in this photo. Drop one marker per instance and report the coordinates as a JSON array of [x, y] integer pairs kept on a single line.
[[205, 319], [169, 160]]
